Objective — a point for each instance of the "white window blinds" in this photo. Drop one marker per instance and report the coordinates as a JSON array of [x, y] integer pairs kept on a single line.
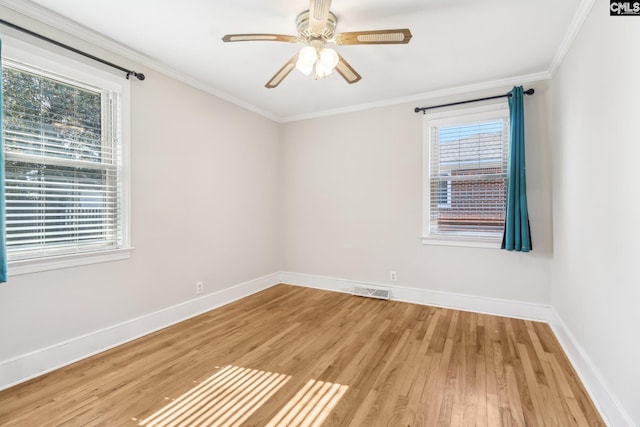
[[467, 163], [62, 165]]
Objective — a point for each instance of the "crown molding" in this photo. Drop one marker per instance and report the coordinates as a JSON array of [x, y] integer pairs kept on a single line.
[[72, 28], [60, 23], [441, 93], [572, 32]]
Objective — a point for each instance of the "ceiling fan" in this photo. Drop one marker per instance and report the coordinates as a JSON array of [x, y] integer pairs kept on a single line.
[[316, 30]]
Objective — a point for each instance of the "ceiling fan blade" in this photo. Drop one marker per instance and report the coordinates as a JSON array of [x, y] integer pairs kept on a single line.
[[282, 73], [318, 15], [347, 71], [401, 36], [259, 37]]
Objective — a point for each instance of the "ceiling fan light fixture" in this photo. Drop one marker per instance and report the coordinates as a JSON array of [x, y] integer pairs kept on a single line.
[[322, 70], [316, 29], [323, 58], [328, 57], [308, 55], [304, 68]]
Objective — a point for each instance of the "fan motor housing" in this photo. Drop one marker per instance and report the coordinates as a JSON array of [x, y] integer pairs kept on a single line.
[[304, 30]]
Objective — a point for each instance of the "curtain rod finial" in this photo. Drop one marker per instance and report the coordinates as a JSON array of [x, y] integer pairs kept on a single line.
[[139, 76]]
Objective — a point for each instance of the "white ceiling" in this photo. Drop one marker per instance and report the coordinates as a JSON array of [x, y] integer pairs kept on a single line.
[[456, 43]]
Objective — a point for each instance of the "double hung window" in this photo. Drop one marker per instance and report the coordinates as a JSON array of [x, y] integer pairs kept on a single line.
[[65, 131], [465, 176]]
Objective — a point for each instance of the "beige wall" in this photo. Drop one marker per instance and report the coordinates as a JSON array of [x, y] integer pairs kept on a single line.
[[596, 147], [222, 195], [352, 206], [205, 208]]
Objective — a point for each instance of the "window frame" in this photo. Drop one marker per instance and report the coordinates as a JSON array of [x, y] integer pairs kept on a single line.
[[17, 50], [450, 117]]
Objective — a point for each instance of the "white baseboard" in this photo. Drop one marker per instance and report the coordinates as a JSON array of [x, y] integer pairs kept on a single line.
[[30, 365], [609, 406], [495, 306], [39, 362]]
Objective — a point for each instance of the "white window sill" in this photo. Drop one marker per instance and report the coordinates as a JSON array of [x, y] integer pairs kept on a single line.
[[27, 266], [467, 243]]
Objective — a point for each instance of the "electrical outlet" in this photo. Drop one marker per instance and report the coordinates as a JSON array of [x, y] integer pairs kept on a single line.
[[199, 287], [392, 276]]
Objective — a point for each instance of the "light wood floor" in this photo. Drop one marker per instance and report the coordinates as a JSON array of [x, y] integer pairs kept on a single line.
[[297, 356]]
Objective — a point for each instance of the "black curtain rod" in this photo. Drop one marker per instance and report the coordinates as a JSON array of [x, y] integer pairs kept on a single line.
[[130, 73], [424, 109]]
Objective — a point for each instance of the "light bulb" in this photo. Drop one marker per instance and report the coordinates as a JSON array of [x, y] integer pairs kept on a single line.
[[308, 55], [329, 58]]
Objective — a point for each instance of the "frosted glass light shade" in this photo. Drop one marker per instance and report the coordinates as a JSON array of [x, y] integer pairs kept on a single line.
[[306, 58], [329, 58], [304, 68], [308, 55], [325, 60]]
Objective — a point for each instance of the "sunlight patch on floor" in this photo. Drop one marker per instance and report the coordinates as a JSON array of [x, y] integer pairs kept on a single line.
[[310, 406], [227, 398]]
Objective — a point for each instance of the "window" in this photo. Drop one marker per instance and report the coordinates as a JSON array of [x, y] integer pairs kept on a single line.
[[466, 176], [64, 160]]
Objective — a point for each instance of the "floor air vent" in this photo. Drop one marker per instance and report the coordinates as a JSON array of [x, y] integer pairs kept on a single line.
[[369, 292]]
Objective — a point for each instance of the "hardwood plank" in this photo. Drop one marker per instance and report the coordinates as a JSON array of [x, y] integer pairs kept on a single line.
[[317, 358], [483, 390]]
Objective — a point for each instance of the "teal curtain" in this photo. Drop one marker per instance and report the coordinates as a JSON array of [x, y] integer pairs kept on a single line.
[[3, 236], [517, 233]]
